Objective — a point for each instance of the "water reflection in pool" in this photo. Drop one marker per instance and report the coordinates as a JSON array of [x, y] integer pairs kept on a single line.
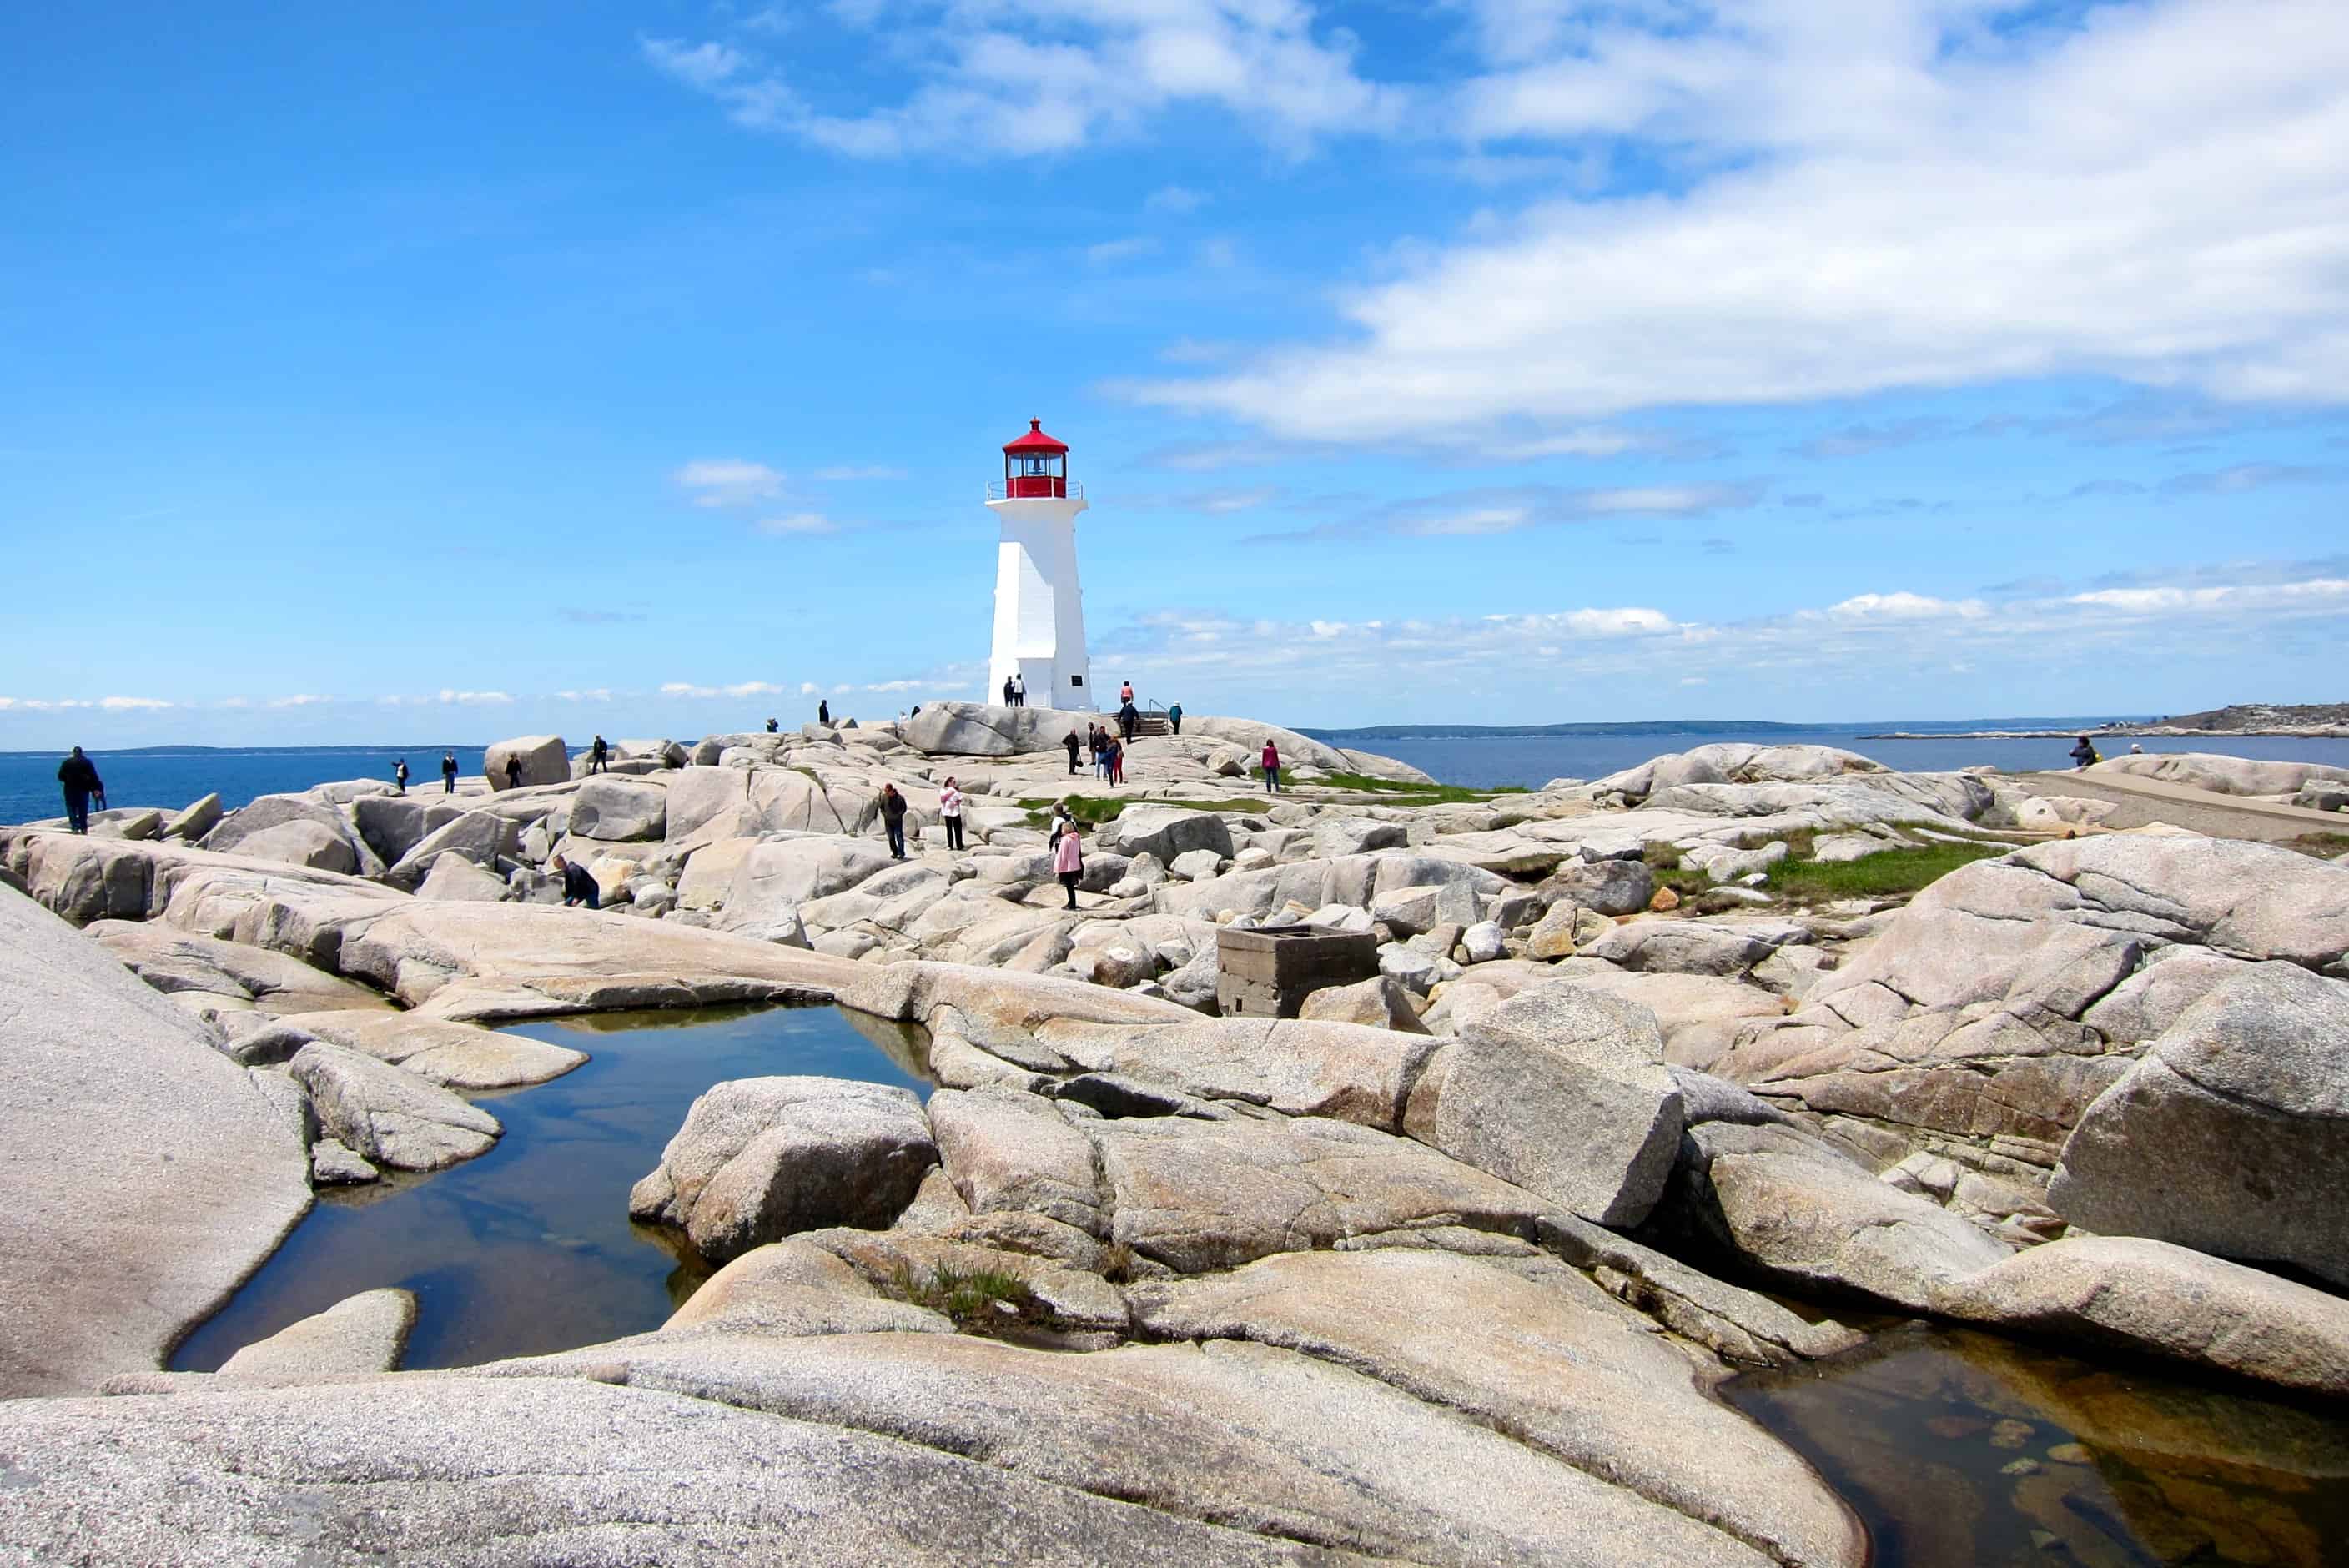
[[1963, 1450], [530, 1247]]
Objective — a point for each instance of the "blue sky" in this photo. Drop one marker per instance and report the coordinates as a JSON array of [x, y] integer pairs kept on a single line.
[[413, 374]]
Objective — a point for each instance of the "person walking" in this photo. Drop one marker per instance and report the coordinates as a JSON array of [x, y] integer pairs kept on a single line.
[[2084, 755], [1116, 760], [400, 776], [1070, 742], [447, 773], [578, 885], [599, 756], [1101, 752], [1271, 769], [823, 711], [1174, 718], [1129, 718], [1067, 857], [950, 812], [893, 820], [79, 776], [1125, 694], [513, 771]]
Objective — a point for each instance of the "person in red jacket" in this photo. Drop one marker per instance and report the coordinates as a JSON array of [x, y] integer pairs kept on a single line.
[[1271, 769]]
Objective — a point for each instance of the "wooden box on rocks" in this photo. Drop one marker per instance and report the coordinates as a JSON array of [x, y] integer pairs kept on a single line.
[[1269, 972]]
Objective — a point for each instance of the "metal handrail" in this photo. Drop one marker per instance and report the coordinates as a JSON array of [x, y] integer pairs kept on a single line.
[[996, 490]]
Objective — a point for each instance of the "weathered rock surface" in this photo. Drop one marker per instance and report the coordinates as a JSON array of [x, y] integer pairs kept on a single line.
[[1379, 1003], [145, 1175], [238, 974], [2231, 1134], [2151, 1298], [1166, 832], [544, 758], [360, 1334], [453, 878], [454, 1056], [1352, 1072], [1606, 887], [2221, 774], [1563, 1091], [796, 1287], [759, 1158], [480, 837], [610, 808], [391, 1116]]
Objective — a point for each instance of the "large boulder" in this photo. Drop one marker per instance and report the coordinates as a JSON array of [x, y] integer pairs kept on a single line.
[[772, 879], [454, 1056], [1681, 947], [358, 1334], [480, 837], [2149, 1298], [390, 1116], [307, 844], [1604, 887], [393, 824], [230, 975], [1738, 762], [145, 1175], [609, 808], [192, 821], [1563, 1091], [759, 1158], [981, 729], [2221, 774], [2230, 1135], [264, 813], [1166, 831], [544, 761]]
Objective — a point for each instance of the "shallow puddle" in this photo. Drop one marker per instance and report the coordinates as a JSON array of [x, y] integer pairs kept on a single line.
[[1964, 1451], [530, 1248]]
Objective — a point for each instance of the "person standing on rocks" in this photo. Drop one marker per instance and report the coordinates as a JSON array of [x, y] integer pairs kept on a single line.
[[1018, 691], [578, 886], [1125, 694], [79, 776], [950, 812], [1068, 856], [400, 776], [1070, 741], [447, 773], [599, 756], [772, 727], [1271, 769], [1174, 718], [823, 711], [893, 820], [1116, 749], [1129, 719], [513, 771]]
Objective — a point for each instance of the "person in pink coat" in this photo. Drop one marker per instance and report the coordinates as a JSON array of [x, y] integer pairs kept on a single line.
[[1068, 856], [1271, 769]]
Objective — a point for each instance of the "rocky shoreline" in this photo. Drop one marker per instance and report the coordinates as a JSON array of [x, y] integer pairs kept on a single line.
[[1442, 1270]]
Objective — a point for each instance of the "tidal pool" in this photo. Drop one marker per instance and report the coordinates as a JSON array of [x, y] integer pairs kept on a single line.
[[1960, 1449], [530, 1248]]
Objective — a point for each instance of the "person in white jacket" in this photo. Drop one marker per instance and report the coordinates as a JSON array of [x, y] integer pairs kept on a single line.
[[950, 814]]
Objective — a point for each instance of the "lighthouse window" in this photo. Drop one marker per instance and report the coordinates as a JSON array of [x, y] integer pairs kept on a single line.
[[1076, 680]]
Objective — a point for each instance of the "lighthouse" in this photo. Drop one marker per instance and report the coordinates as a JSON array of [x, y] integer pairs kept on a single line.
[[1040, 610]]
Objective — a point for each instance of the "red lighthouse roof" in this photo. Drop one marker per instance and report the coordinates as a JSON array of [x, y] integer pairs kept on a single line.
[[1035, 441]]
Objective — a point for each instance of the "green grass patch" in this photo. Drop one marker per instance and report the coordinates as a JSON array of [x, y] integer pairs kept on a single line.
[[980, 1301], [2323, 846], [1398, 793], [1881, 875]]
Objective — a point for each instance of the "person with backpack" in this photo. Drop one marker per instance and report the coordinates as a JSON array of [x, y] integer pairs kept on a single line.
[[950, 812], [1070, 742], [1271, 769], [2084, 755], [893, 820], [447, 773], [1174, 718], [79, 776], [1067, 857], [400, 776], [599, 756]]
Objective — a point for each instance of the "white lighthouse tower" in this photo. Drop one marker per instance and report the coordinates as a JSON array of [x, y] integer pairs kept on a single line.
[[1040, 610]]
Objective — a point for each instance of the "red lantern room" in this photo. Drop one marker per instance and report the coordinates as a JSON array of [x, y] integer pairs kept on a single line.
[[1036, 466]]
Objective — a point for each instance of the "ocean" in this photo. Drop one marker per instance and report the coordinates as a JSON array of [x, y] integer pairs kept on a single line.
[[170, 779]]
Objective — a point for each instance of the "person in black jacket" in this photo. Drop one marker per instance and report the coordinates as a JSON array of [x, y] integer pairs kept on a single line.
[[1070, 742], [599, 756], [400, 776], [79, 776], [447, 773], [824, 710], [893, 819], [578, 885]]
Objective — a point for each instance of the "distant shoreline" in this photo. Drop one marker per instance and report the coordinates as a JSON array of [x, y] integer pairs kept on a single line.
[[2124, 732]]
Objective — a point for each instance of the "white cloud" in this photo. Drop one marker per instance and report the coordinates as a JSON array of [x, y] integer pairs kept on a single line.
[[1126, 250], [1906, 606], [849, 471], [304, 699], [597, 694], [131, 704], [1880, 196], [1035, 77], [728, 482], [798, 522], [475, 698], [1175, 199], [754, 689]]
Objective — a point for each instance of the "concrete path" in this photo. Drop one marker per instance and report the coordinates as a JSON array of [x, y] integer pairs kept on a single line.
[[2144, 801]]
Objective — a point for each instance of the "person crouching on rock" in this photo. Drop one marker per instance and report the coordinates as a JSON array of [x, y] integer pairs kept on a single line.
[[1067, 857], [893, 820], [2084, 755], [1070, 742], [950, 812], [578, 886]]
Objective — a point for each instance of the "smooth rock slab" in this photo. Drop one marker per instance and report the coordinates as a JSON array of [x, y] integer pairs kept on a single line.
[[1563, 1091], [760, 1158], [454, 1056], [2125, 1293], [461, 1470], [389, 1116], [145, 1175], [1537, 1351], [360, 1334]]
